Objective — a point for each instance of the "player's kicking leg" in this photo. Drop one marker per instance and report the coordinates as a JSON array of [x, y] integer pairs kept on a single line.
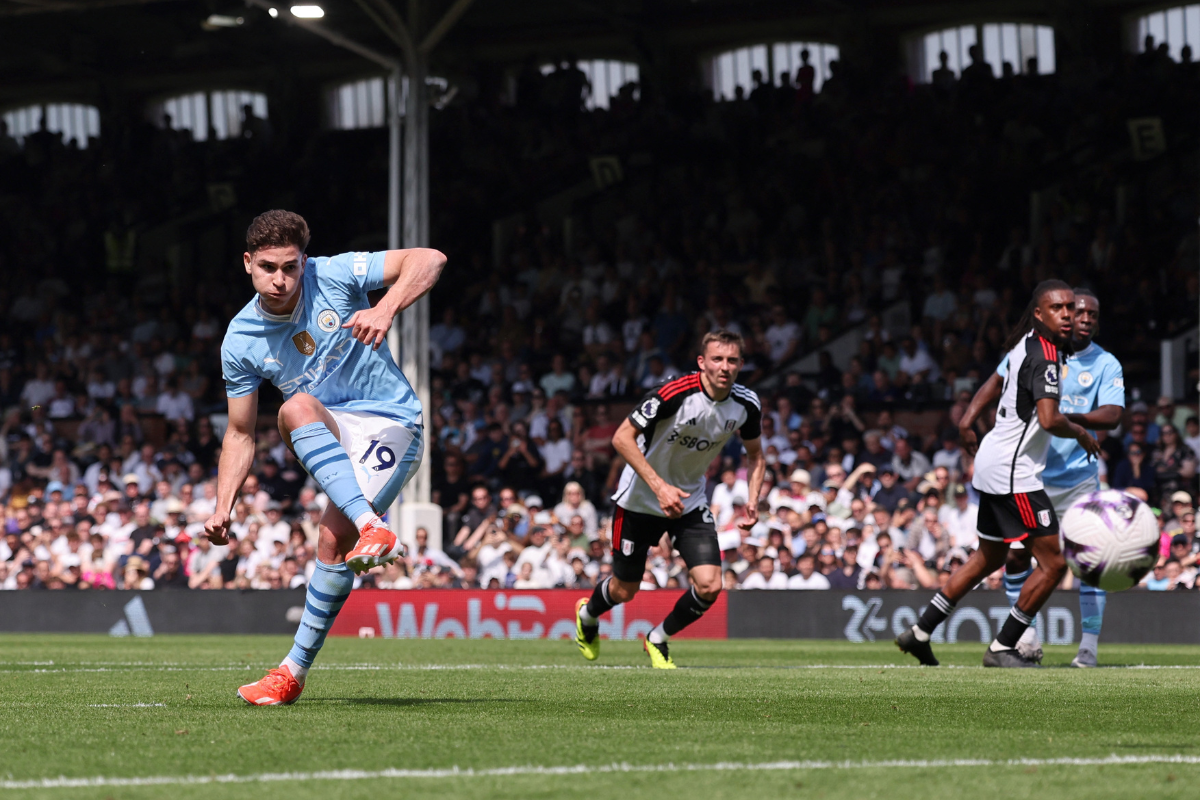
[[312, 432], [352, 537], [331, 583]]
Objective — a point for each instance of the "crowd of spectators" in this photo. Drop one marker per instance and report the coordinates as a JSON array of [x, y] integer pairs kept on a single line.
[[786, 215]]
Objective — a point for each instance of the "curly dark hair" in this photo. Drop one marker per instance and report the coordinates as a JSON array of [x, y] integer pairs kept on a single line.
[[277, 228]]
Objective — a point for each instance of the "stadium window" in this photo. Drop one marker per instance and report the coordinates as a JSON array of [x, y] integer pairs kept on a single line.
[[1012, 42], [731, 69], [358, 104], [605, 77], [363, 104], [1178, 26], [220, 112], [73, 121]]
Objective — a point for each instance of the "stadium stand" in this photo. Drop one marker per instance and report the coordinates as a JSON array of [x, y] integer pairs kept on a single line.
[[795, 217]]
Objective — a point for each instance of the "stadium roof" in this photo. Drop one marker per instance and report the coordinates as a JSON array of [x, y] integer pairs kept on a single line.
[[53, 47]]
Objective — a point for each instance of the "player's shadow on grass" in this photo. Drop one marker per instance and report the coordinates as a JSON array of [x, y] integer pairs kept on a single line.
[[410, 701]]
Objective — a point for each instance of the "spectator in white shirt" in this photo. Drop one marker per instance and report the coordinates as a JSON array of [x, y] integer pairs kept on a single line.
[[960, 519], [597, 335], [783, 337], [807, 577], [765, 577], [606, 379], [39, 389], [430, 556], [490, 556], [535, 552], [275, 529], [556, 452], [917, 363], [723, 495], [174, 404], [909, 465], [61, 403], [575, 503]]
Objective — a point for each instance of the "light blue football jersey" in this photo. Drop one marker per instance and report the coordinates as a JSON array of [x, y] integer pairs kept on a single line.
[[308, 351], [1092, 378]]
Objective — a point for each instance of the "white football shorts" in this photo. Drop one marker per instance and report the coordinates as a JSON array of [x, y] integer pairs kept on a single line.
[[384, 452]]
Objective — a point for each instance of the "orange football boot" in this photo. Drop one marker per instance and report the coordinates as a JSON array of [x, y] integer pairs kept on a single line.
[[376, 546], [277, 688]]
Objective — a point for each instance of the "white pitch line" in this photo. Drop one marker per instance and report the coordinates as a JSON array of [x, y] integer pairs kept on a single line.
[[586, 769], [521, 667], [127, 705]]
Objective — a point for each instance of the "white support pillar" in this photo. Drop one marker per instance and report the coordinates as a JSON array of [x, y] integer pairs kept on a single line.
[[417, 510]]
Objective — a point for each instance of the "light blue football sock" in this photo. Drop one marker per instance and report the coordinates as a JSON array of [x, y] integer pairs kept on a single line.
[[327, 591], [1091, 608], [326, 460], [1013, 581]]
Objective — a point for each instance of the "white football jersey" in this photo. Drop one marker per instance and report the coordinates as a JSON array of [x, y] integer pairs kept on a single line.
[[682, 430], [1013, 454]]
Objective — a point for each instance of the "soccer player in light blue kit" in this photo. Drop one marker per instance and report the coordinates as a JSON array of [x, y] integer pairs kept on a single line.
[[349, 414], [1093, 396]]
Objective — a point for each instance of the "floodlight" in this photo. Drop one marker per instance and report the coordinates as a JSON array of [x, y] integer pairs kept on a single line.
[[308, 12]]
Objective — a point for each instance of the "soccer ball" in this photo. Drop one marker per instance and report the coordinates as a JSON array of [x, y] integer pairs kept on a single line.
[[1110, 540]]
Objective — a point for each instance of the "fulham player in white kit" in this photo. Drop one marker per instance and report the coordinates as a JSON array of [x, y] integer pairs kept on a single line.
[[667, 442], [1013, 505]]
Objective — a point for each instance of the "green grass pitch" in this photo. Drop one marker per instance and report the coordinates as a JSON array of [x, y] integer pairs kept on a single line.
[[83, 707]]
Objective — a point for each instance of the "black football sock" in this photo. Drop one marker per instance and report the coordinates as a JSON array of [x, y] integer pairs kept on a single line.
[[1010, 632], [600, 603], [689, 608], [938, 609]]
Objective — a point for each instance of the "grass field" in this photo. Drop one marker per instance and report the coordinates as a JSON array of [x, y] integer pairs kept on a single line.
[[781, 719]]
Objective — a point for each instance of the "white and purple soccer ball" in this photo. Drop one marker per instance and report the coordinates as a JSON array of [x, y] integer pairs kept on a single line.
[[1110, 540]]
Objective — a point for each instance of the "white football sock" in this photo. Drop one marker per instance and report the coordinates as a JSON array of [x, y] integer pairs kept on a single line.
[[921, 635], [996, 647], [1030, 638], [365, 519], [1090, 641], [658, 635], [298, 672], [586, 618]]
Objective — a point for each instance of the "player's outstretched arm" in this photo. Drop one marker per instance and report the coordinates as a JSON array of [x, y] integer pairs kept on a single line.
[[756, 468], [409, 274], [987, 394], [1057, 424], [1104, 418], [237, 456], [670, 498]]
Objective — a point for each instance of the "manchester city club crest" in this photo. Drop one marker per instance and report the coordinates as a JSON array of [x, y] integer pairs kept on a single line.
[[328, 320], [1085, 379]]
